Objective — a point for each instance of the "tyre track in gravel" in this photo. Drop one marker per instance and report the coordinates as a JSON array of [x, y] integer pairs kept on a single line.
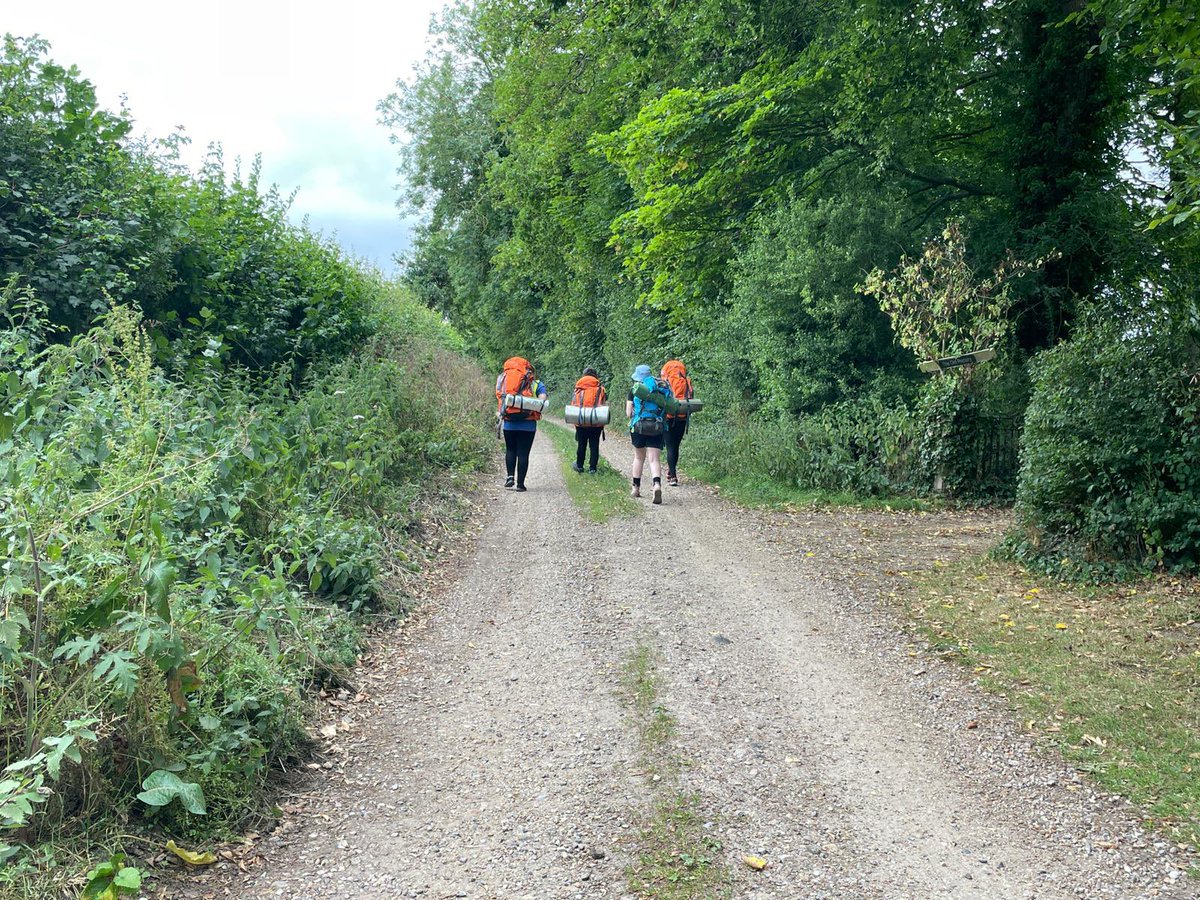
[[815, 747], [498, 764]]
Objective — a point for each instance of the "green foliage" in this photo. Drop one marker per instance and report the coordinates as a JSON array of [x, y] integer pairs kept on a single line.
[[89, 219], [863, 447], [196, 553], [937, 304], [1163, 36], [802, 328], [1111, 462], [111, 879], [161, 787]]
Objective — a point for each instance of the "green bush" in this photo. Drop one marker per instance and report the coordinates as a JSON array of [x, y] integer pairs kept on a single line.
[[90, 218], [1110, 471], [181, 560], [863, 447]]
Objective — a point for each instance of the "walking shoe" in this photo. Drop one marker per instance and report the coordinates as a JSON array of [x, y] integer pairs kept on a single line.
[[520, 488], [637, 491], [509, 482], [592, 471], [672, 481], [577, 467], [657, 494]]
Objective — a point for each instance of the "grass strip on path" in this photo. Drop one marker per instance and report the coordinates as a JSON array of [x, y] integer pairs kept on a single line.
[[599, 497], [1110, 674], [679, 859]]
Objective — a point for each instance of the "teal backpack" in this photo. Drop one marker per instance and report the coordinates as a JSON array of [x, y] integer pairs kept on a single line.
[[648, 416]]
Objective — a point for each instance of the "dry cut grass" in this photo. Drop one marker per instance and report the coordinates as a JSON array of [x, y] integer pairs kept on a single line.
[[1110, 674]]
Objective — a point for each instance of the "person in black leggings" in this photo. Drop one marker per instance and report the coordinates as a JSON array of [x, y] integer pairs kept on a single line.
[[676, 429], [517, 445], [519, 431], [588, 393]]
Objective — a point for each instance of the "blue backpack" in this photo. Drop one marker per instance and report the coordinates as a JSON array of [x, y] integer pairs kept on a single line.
[[648, 417]]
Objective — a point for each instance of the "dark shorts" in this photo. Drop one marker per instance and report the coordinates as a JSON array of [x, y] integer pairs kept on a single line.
[[644, 440]]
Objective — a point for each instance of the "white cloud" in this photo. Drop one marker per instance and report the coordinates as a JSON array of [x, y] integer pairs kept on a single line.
[[297, 82]]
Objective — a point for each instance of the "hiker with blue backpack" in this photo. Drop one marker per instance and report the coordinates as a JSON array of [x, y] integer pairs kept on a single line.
[[646, 410]]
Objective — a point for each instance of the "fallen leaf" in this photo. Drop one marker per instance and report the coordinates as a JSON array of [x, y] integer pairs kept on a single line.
[[190, 857], [329, 731], [755, 862]]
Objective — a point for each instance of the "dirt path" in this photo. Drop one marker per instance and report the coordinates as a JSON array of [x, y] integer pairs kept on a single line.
[[497, 758]]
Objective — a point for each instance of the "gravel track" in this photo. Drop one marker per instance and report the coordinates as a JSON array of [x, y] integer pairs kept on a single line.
[[496, 759]]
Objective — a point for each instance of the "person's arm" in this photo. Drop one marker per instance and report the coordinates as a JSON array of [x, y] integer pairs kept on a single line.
[[629, 406], [541, 389]]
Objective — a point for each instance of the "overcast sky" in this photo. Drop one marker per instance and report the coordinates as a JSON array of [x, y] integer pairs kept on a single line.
[[295, 81]]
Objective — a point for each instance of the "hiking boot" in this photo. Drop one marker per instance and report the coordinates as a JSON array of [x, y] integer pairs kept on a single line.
[[637, 491], [577, 467], [657, 494], [672, 481], [509, 482], [520, 488]]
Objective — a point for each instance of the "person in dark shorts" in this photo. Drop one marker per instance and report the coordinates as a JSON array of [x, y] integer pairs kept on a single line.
[[589, 392], [646, 427]]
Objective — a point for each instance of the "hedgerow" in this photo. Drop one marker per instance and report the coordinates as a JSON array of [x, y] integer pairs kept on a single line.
[[220, 441], [183, 560]]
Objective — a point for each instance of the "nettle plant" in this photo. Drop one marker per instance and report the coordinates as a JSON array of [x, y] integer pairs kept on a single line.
[[938, 304]]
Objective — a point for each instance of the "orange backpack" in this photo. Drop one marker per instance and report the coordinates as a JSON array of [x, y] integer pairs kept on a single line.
[[589, 392], [517, 378], [675, 373]]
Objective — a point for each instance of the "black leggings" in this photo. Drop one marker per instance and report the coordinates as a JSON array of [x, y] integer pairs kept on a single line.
[[674, 435], [517, 445], [587, 439]]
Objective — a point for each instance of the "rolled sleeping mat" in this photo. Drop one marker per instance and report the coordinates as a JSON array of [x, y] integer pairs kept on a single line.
[[692, 405], [668, 404], [529, 404], [587, 416]]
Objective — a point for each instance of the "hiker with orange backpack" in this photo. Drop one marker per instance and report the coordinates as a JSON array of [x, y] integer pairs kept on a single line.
[[588, 412], [522, 400], [676, 375], [646, 409]]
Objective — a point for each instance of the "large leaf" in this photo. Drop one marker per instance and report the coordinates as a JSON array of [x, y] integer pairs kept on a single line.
[[160, 576], [161, 787]]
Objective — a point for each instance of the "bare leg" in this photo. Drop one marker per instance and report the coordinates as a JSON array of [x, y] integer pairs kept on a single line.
[[653, 455], [639, 459]]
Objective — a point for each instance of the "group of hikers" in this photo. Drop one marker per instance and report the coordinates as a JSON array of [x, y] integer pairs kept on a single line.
[[658, 408]]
